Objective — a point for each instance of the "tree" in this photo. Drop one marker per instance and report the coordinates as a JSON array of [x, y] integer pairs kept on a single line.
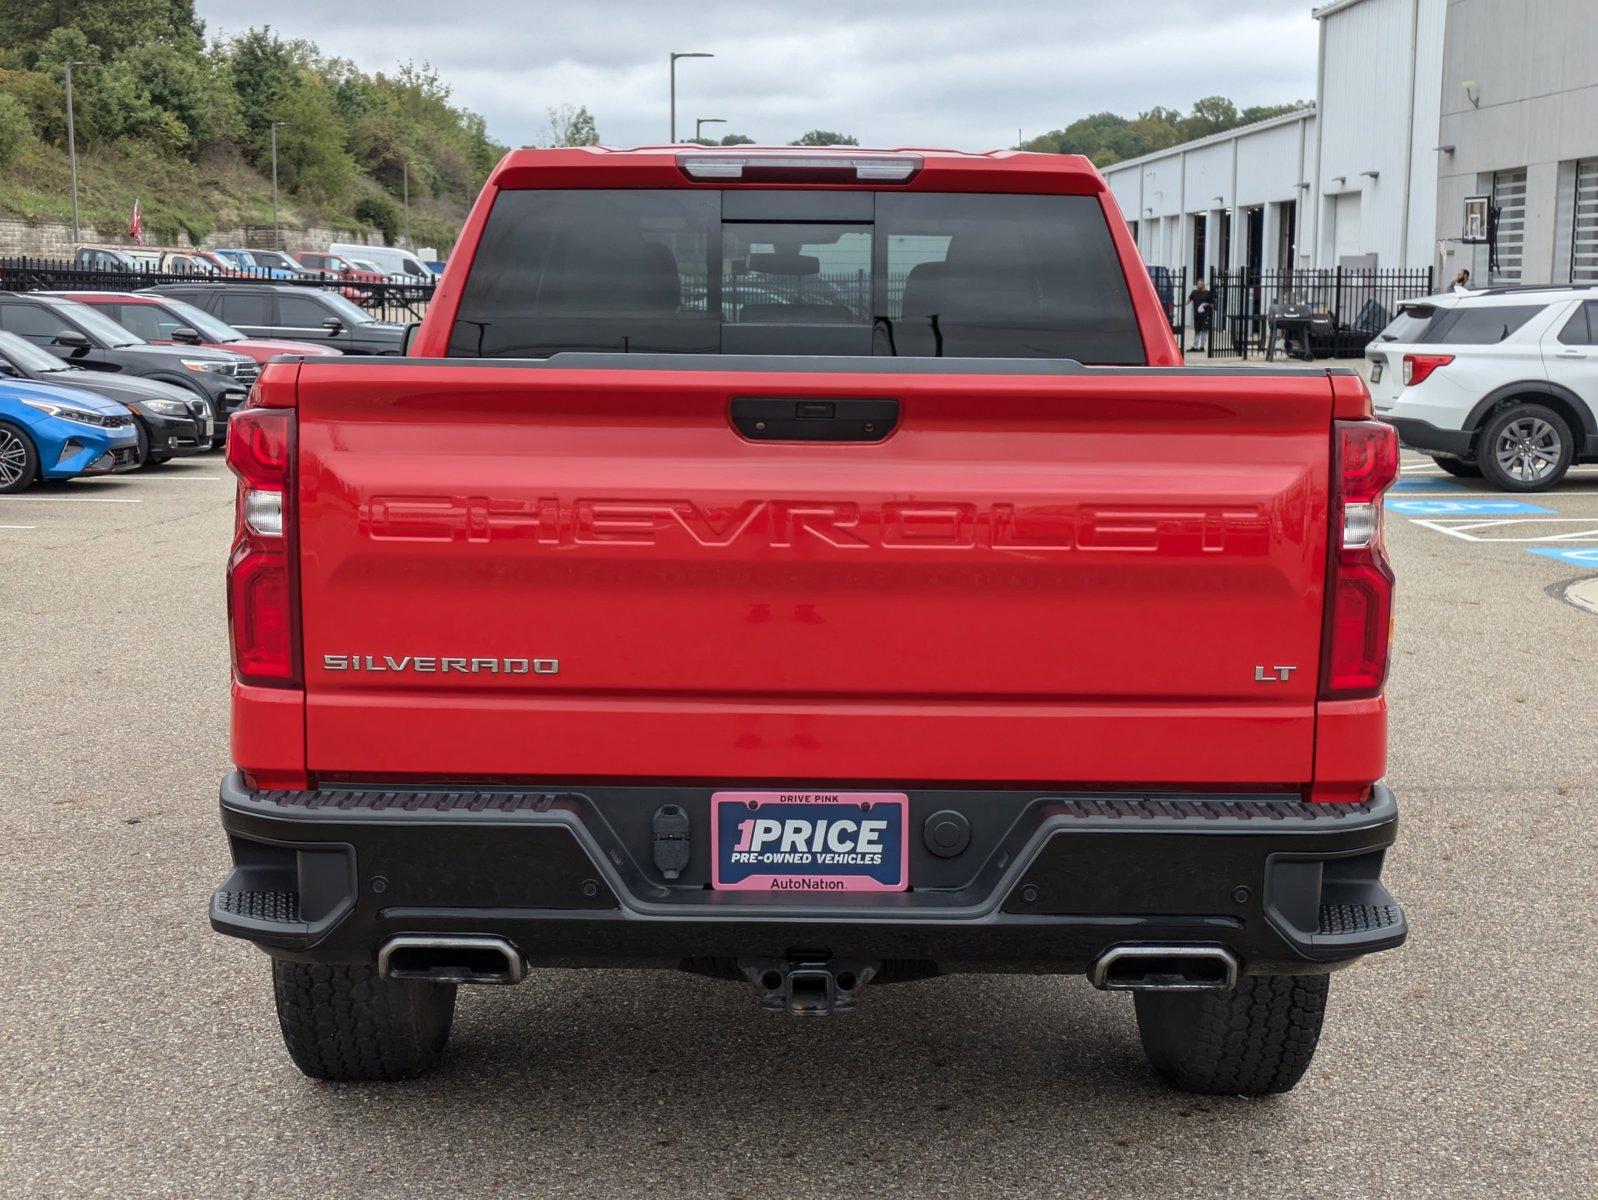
[[1211, 114], [16, 129], [570, 126], [117, 107], [186, 87], [1264, 112], [375, 210], [1104, 137], [312, 159], [44, 99], [1107, 137], [824, 137], [110, 26], [264, 69], [731, 139]]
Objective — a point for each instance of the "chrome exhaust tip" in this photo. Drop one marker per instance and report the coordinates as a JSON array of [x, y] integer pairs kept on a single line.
[[1165, 969], [444, 959]]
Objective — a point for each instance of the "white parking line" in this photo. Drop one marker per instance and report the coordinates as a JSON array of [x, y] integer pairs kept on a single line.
[[1470, 530], [18, 526], [196, 478], [84, 500]]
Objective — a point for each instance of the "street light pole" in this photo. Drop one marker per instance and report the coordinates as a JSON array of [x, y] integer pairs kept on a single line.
[[407, 193], [72, 147], [675, 55], [277, 235], [700, 122]]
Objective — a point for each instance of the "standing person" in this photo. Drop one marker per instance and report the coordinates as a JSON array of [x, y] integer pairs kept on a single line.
[[1203, 301], [1462, 280]]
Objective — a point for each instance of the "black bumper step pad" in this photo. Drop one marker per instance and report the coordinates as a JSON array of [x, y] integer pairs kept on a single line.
[[1358, 918], [281, 908]]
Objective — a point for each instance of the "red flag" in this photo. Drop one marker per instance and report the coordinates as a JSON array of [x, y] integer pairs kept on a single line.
[[136, 226]]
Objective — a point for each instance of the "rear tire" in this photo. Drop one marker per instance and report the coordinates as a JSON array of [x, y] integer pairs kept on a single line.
[[1525, 448], [1255, 1040], [347, 1023], [1458, 466], [19, 460]]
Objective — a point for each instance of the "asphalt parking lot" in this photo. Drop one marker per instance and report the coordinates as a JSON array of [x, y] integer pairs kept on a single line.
[[141, 1054]]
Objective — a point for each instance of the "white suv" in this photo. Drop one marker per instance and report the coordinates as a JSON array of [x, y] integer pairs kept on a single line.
[[1501, 383]]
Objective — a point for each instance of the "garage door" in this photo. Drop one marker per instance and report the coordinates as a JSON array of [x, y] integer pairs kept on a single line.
[[1509, 198], [1584, 240], [1348, 242]]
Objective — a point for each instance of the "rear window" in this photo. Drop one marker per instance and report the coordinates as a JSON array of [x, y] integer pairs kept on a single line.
[[1478, 325], [910, 274], [1410, 324]]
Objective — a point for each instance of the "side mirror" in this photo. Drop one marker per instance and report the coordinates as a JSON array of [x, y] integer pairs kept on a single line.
[[189, 337], [407, 337], [333, 326], [7, 370], [71, 337]]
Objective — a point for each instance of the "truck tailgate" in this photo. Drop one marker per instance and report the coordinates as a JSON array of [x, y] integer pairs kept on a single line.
[[531, 571]]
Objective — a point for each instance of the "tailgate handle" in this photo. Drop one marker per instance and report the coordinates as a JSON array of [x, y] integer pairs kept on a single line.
[[813, 419]]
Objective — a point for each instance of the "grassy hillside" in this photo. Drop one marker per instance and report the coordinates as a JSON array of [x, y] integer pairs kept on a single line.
[[186, 126], [179, 200]]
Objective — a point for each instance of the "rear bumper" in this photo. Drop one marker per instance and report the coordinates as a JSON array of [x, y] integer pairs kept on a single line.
[[1049, 882], [1420, 435]]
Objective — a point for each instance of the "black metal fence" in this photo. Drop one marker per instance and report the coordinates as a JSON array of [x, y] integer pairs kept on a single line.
[[1331, 312], [1171, 287], [397, 302]]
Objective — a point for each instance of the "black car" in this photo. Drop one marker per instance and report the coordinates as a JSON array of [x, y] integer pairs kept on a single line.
[[77, 334], [286, 310], [171, 422]]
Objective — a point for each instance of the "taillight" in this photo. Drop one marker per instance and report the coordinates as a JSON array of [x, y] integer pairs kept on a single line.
[[1359, 584], [263, 586], [1417, 367]]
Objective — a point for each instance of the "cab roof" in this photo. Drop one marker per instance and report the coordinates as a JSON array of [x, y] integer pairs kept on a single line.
[[921, 168]]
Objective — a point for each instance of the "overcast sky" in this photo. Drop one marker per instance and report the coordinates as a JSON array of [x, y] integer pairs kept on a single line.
[[929, 72]]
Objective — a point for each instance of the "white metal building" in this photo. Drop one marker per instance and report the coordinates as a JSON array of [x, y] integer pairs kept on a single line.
[[1351, 181], [1520, 128]]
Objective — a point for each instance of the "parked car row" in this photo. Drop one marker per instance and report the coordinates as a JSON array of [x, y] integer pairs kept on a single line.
[[94, 382], [341, 261]]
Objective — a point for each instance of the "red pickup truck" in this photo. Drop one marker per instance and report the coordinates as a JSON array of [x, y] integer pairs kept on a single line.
[[814, 569]]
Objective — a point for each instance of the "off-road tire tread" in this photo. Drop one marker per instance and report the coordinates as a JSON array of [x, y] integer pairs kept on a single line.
[[347, 1023], [1255, 1040]]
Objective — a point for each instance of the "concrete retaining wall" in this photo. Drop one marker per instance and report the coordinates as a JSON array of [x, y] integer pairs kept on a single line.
[[54, 240]]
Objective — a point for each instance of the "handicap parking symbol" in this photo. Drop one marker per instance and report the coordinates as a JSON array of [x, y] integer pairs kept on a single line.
[[1583, 556], [1462, 508]]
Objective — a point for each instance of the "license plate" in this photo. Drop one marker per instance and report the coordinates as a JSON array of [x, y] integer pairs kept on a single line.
[[809, 842], [1376, 372]]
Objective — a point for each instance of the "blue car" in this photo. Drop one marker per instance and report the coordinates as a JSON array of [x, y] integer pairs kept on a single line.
[[52, 432], [245, 260]]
